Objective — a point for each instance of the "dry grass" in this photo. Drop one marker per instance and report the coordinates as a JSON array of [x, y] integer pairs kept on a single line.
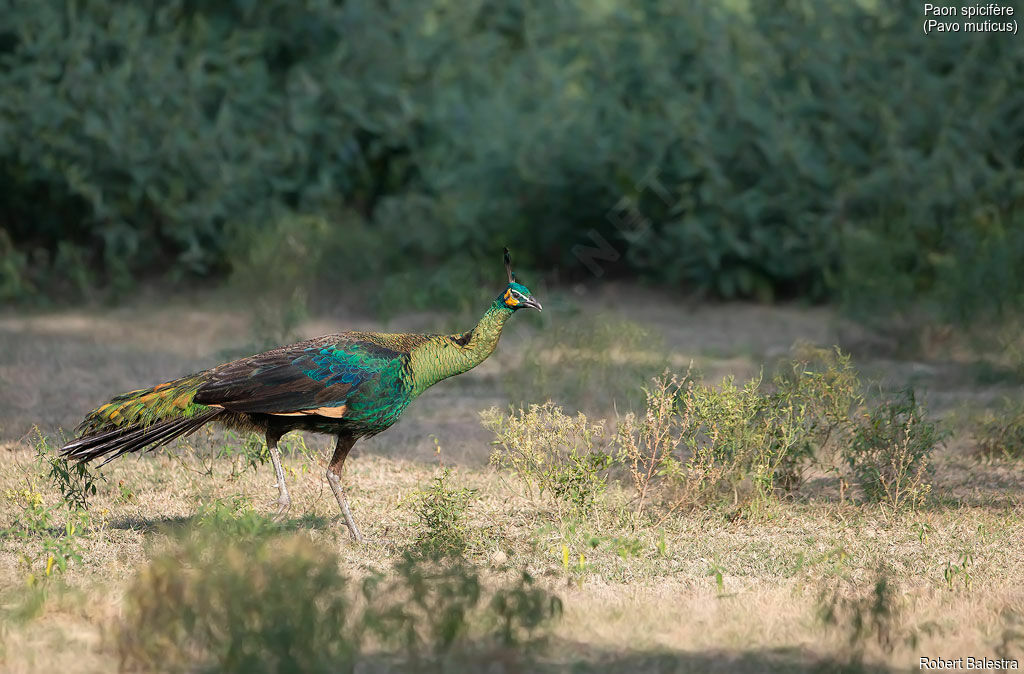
[[663, 597], [700, 594]]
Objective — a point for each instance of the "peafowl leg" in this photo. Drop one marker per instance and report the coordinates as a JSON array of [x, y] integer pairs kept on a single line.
[[284, 501], [334, 478]]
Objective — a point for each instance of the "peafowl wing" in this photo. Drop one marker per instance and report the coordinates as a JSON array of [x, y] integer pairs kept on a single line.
[[337, 377]]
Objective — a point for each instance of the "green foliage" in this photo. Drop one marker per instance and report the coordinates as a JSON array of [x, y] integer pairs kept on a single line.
[[889, 451], [275, 603], [733, 147], [248, 449], [277, 268], [1001, 434], [712, 445], [736, 438], [818, 389], [555, 455], [124, 493], [441, 515], [646, 443]]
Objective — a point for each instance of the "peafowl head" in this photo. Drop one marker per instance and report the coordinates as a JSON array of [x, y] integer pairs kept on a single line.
[[516, 295]]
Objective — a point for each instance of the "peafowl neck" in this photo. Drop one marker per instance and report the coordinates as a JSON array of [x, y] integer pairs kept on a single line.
[[448, 355]]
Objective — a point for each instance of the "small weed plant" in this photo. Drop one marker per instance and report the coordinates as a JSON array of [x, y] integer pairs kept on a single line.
[[245, 451], [75, 482], [235, 516], [49, 536], [441, 515], [959, 574]]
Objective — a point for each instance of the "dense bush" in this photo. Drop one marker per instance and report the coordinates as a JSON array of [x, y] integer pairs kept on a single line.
[[813, 149]]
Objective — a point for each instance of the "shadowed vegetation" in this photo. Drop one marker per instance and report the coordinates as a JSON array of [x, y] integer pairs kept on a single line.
[[218, 601]]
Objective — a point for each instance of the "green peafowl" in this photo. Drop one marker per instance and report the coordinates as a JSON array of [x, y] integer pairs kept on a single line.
[[352, 385]]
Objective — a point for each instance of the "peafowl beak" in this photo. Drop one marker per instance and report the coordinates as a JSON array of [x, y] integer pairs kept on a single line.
[[532, 303]]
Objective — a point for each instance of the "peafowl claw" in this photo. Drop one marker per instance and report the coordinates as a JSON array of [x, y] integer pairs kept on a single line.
[[284, 504]]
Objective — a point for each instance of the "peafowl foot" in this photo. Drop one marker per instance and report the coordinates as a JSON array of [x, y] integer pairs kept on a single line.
[[346, 512], [334, 478], [284, 504], [284, 501]]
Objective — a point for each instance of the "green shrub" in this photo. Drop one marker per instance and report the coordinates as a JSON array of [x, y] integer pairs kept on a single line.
[[235, 517], [555, 455], [441, 515], [646, 444], [818, 389], [710, 445], [890, 448], [736, 439], [694, 444]]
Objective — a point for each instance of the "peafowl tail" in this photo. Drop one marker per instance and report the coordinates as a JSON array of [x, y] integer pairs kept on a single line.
[[147, 418]]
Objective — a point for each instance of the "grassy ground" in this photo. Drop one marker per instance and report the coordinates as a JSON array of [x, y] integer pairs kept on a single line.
[[698, 592]]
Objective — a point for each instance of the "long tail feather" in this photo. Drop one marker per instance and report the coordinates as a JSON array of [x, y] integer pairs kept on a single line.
[[133, 438]]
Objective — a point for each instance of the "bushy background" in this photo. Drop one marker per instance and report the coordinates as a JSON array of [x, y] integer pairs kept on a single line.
[[780, 148]]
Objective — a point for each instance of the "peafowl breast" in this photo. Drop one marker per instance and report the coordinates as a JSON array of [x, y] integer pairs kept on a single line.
[[351, 385]]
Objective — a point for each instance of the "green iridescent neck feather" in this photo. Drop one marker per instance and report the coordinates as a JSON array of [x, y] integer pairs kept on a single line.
[[445, 356]]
